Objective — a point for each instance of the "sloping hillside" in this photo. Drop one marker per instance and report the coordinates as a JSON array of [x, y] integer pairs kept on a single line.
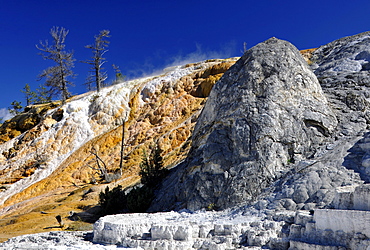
[[49, 169]]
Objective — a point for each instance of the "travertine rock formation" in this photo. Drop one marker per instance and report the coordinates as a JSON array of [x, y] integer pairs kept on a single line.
[[342, 68], [267, 112], [201, 230]]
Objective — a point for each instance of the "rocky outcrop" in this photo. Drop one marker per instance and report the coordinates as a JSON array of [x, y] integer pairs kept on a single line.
[[313, 183], [267, 112], [342, 68], [344, 226], [27, 120]]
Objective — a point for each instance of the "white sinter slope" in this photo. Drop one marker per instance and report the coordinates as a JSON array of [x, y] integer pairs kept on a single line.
[[84, 117]]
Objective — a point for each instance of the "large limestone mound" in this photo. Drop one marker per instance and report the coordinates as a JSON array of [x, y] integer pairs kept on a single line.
[[266, 112], [344, 78]]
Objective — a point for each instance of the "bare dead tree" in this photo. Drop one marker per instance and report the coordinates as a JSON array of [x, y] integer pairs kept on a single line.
[[99, 48], [57, 76], [122, 148], [101, 168]]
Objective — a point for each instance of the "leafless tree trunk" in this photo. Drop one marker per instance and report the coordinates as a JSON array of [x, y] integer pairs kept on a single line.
[[122, 148], [102, 169]]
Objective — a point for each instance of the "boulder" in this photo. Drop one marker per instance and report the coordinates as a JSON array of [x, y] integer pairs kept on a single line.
[[266, 112], [24, 121]]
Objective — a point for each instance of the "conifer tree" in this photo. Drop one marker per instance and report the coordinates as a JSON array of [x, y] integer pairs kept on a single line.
[[118, 73], [57, 77], [151, 167], [30, 95], [99, 48], [16, 108]]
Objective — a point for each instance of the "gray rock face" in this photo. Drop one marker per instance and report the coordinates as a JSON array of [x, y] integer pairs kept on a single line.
[[267, 112], [348, 54], [342, 72], [342, 68]]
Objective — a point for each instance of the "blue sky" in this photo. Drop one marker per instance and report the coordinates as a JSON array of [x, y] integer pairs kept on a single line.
[[147, 36]]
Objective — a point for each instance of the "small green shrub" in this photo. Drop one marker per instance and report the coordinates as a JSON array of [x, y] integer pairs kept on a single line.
[[112, 201], [151, 168], [211, 207], [94, 98], [139, 199]]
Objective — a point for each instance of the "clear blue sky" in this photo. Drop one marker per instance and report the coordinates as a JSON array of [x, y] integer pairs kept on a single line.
[[147, 36]]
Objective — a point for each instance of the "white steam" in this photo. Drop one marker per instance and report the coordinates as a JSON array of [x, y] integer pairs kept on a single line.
[[201, 54], [148, 68]]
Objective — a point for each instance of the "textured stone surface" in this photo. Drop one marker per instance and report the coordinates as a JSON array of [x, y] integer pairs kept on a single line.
[[330, 229], [348, 54], [342, 69], [54, 241], [266, 112], [348, 221], [200, 230], [28, 119]]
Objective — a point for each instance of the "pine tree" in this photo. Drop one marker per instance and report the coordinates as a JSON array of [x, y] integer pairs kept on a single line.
[[57, 76], [16, 108], [30, 95], [118, 73], [151, 167], [99, 48]]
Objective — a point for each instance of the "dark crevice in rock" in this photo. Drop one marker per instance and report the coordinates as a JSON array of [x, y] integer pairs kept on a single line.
[[318, 125]]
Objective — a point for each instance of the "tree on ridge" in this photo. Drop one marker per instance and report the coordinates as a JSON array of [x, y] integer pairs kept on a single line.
[[29, 94], [16, 108], [118, 73], [99, 48], [57, 76]]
